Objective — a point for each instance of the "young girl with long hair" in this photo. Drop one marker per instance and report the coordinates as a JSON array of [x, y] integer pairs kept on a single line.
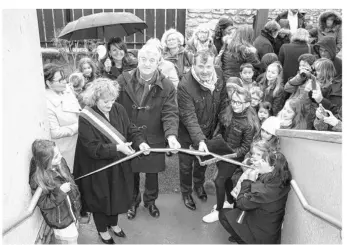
[[88, 68], [292, 116], [60, 199], [272, 86]]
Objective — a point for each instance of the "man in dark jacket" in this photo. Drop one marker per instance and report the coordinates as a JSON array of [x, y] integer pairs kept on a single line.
[[326, 48], [294, 16], [199, 98], [150, 101]]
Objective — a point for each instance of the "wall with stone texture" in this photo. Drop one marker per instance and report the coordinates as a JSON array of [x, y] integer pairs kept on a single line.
[[240, 16]]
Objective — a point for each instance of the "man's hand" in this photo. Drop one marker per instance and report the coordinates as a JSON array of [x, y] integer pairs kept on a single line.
[[144, 146], [203, 147], [126, 148], [173, 143]]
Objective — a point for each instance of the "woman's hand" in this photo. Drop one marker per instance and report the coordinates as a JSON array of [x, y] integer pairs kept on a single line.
[[125, 148], [331, 119], [65, 187], [144, 146]]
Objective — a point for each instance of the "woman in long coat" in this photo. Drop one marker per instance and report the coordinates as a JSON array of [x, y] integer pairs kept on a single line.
[[109, 192], [263, 199]]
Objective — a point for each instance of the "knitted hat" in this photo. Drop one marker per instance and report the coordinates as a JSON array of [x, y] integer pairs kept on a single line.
[[271, 124]]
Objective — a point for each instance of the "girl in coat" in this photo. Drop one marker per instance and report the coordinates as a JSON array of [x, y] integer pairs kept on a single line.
[[201, 39], [239, 124], [265, 111], [223, 27], [330, 24], [60, 199], [88, 68], [108, 193], [63, 110], [292, 116], [272, 87], [263, 196]]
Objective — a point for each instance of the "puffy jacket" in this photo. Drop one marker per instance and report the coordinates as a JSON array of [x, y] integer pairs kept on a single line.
[[335, 31], [264, 44], [56, 209]]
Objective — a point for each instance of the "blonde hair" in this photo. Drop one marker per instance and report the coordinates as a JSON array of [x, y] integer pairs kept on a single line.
[[169, 32], [300, 35], [100, 87], [277, 84], [327, 70]]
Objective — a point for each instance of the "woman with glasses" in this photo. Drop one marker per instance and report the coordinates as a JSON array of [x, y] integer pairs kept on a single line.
[[63, 110]]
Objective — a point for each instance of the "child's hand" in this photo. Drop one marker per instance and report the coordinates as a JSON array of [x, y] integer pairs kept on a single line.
[[65, 187]]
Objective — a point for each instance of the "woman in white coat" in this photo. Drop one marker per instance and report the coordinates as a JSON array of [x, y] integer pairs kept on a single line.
[[63, 110]]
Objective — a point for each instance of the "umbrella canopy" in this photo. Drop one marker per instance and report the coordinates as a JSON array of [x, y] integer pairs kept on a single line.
[[103, 26]]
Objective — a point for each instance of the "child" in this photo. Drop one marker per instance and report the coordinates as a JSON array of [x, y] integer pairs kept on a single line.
[[292, 116], [78, 84], [272, 86], [60, 199], [201, 39], [238, 126], [257, 97], [246, 74], [265, 111], [87, 67], [300, 86], [266, 60]]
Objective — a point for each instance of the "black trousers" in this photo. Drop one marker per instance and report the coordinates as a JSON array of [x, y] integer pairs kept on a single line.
[[151, 189], [190, 171], [223, 183], [102, 220], [225, 223]]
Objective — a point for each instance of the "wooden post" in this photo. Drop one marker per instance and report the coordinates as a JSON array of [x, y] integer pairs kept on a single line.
[[260, 20]]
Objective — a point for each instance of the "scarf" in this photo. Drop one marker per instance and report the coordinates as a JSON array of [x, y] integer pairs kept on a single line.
[[210, 85]]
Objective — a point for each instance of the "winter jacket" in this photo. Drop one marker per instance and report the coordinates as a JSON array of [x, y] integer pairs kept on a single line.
[[63, 111], [265, 209], [128, 65], [301, 18], [231, 65], [277, 101], [198, 109], [332, 96], [282, 38], [239, 134], [218, 43], [264, 44], [335, 31], [183, 60], [329, 44], [288, 56], [55, 208]]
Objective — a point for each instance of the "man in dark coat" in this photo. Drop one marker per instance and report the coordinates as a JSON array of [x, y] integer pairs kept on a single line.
[[326, 48], [295, 15], [150, 101], [199, 98]]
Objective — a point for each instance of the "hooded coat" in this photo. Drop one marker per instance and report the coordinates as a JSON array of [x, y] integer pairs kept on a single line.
[[335, 31], [329, 44], [264, 44]]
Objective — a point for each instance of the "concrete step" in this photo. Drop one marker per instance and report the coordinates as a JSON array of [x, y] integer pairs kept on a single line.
[[176, 224]]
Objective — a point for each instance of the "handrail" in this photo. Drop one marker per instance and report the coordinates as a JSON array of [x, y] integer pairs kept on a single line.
[[325, 217], [38, 191], [26, 214]]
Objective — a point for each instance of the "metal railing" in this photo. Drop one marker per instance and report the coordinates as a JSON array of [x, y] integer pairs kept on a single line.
[[30, 210]]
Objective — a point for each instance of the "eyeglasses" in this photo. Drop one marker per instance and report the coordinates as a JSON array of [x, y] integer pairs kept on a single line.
[[237, 103], [63, 78]]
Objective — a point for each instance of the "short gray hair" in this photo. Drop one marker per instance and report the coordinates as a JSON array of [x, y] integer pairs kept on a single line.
[[100, 87], [301, 35], [150, 48], [169, 32]]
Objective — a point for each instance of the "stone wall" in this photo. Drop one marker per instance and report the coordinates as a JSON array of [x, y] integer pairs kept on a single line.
[[240, 16]]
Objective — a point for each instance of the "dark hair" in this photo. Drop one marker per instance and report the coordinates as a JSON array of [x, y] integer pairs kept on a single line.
[[299, 121], [309, 58], [222, 24], [281, 170], [246, 65], [49, 71], [204, 55], [118, 42], [267, 106], [313, 32], [268, 59], [90, 62]]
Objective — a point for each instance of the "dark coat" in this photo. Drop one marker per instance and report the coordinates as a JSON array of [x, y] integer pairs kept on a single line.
[[182, 60], [332, 97], [335, 32], [329, 44], [301, 18], [265, 206], [108, 191], [277, 101], [157, 117], [218, 43], [264, 44], [231, 65], [198, 109], [54, 206], [115, 72], [288, 56], [282, 38]]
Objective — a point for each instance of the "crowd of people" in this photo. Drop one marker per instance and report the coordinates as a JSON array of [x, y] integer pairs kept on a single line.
[[226, 93]]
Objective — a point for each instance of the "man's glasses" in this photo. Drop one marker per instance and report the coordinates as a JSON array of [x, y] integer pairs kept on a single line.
[[237, 103]]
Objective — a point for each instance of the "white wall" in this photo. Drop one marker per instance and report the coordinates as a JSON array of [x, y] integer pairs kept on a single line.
[[24, 117]]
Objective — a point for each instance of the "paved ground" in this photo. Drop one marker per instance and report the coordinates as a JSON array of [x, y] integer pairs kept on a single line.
[[176, 224]]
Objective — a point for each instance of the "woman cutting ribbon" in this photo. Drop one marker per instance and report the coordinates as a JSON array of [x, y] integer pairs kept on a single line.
[[105, 135]]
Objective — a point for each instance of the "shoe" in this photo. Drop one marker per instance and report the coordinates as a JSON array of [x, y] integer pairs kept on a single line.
[[108, 241], [232, 239], [153, 210], [85, 218], [226, 204], [132, 211], [119, 234], [189, 202], [211, 217], [200, 192]]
